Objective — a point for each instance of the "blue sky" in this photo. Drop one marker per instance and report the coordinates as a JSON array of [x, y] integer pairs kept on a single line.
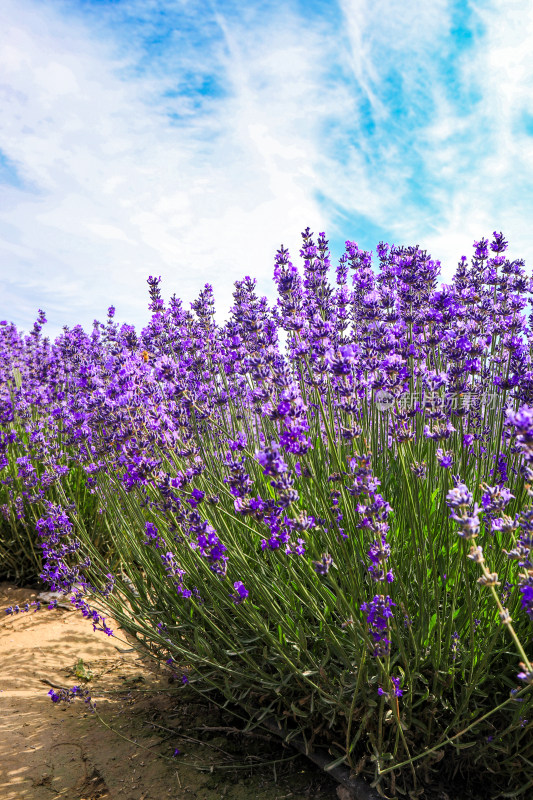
[[190, 138]]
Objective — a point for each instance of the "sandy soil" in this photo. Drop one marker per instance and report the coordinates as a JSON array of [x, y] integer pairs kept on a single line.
[[50, 751]]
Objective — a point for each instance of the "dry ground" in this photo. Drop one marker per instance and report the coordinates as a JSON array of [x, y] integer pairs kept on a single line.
[[50, 751]]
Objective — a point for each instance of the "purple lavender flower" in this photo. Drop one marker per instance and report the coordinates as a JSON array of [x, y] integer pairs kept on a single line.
[[378, 555], [271, 460], [241, 593], [238, 480], [322, 567], [152, 534], [445, 459], [396, 691], [526, 674], [499, 244], [459, 497], [68, 695], [440, 432], [378, 611], [522, 422], [468, 525], [419, 470], [239, 443]]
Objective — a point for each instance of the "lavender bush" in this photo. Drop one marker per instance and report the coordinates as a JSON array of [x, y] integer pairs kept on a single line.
[[335, 533], [38, 448]]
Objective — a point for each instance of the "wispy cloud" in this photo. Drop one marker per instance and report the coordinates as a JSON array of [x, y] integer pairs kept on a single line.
[[189, 139], [483, 150], [448, 88], [137, 171]]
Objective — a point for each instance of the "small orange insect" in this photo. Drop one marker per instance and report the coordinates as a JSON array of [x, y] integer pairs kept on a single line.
[[145, 355]]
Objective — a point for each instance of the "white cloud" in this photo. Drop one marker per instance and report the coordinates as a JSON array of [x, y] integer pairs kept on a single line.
[[485, 155], [125, 173], [471, 154], [121, 191]]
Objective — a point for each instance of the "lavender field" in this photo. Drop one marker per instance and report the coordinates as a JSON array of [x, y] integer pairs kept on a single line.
[[316, 514]]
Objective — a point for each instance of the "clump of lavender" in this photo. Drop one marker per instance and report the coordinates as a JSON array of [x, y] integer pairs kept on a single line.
[[225, 492]]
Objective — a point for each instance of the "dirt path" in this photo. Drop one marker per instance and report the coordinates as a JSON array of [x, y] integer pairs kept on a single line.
[[50, 751]]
